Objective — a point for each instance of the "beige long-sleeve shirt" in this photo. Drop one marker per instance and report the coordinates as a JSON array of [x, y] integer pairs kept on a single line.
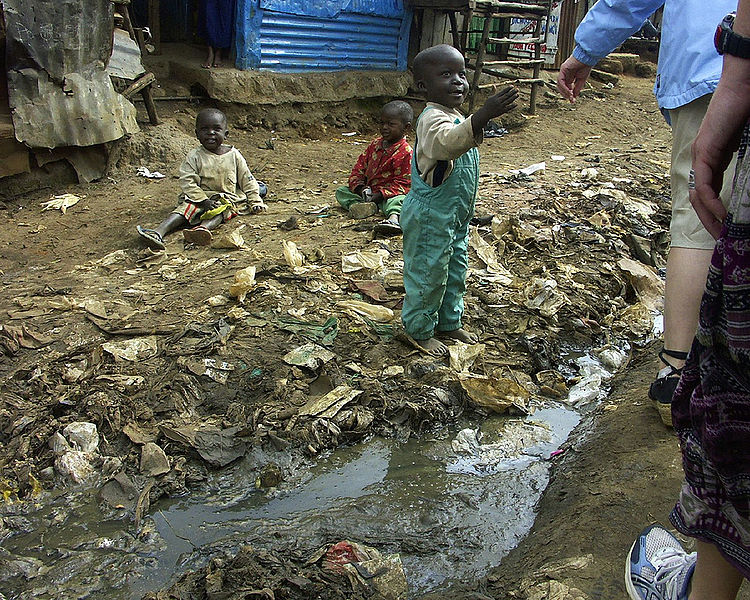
[[204, 174], [443, 134]]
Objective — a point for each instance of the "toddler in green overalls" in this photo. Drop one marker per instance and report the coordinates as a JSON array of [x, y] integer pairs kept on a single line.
[[436, 212]]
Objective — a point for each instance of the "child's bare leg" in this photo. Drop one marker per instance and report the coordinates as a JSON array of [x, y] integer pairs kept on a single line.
[[461, 335], [172, 222], [213, 222], [433, 346], [209, 59], [393, 218], [217, 57]]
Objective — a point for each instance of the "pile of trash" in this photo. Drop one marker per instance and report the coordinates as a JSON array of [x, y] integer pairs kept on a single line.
[[304, 350], [140, 371], [341, 570]]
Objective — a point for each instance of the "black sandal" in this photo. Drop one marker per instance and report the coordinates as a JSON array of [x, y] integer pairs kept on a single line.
[[662, 389]]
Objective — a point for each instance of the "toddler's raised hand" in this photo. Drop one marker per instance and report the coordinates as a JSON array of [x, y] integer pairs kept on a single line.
[[502, 102]]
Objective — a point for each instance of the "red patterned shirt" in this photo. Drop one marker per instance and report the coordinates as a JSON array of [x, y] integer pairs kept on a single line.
[[385, 170]]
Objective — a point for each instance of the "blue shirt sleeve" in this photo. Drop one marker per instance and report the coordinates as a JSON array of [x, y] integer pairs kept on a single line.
[[608, 24]]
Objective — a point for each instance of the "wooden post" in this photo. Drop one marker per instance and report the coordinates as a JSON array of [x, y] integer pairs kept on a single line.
[[148, 100], [480, 59], [154, 24], [467, 15], [537, 66], [454, 30]]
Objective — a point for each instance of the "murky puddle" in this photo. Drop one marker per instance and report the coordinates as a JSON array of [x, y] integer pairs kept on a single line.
[[450, 503], [453, 503]]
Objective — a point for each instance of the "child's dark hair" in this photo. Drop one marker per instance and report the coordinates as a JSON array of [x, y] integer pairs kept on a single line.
[[211, 111], [429, 56], [402, 109]]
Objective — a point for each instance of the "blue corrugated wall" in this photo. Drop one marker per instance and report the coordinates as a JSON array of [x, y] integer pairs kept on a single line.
[[322, 35]]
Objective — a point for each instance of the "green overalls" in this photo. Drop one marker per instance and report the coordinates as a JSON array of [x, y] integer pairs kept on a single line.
[[435, 222]]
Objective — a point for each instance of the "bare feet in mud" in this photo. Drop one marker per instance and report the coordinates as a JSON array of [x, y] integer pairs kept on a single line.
[[433, 346], [461, 335]]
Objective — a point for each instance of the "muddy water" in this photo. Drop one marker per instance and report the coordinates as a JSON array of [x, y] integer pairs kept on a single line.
[[450, 504]]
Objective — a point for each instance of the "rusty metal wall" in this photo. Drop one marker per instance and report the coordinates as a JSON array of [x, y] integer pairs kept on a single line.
[[59, 92]]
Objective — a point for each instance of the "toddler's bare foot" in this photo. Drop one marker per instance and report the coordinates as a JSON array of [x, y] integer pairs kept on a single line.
[[461, 335], [433, 346]]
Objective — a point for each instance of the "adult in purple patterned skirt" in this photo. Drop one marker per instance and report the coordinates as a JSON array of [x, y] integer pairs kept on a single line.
[[711, 405], [216, 24]]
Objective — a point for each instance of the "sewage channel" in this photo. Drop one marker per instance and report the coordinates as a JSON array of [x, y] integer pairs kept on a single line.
[[452, 503]]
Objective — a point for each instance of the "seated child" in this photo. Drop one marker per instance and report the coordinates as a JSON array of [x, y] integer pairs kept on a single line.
[[437, 210], [383, 171], [216, 186]]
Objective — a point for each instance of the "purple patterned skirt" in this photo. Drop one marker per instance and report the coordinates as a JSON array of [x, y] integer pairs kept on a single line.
[[711, 406]]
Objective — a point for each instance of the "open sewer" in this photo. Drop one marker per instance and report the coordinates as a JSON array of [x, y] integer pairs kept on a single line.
[[452, 503]]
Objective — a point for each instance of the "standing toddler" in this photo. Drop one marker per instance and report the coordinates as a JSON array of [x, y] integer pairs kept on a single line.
[[436, 213]]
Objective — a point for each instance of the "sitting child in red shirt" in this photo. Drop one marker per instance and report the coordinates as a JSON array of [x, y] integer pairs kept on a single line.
[[382, 175]]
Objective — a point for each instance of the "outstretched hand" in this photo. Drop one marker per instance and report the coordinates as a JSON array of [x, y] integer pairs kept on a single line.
[[502, 102], [571, 78], [496, 105]]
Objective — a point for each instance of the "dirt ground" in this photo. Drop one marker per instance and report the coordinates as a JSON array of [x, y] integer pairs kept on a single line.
[[159, 353]]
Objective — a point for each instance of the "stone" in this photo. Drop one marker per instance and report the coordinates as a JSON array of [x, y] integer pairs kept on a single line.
[[82, 435], [362, 210], [74, 465], [58, 444], [604, 77], [610, 65], [627, 60], [119, 492], [269, 476], [645, 70], [153, 460]]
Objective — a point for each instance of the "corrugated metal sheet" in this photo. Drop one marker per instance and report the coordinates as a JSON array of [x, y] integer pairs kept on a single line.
[[333, 8], [59, 92], [316, 35], [293, 43], [125, 61]]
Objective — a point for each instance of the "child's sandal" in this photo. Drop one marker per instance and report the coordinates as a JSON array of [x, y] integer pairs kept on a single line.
[[199, 236]]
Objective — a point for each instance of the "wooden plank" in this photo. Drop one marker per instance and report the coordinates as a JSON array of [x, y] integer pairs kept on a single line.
[[457, 5], [530, 40], [486, 86], [479, 62], [517, 62], [504, 6], [139, 84]]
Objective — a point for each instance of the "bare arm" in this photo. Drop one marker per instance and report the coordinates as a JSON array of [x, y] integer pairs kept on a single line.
[[719, 134]]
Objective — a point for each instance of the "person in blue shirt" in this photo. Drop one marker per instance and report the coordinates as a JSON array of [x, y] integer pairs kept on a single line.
[[687, 74]]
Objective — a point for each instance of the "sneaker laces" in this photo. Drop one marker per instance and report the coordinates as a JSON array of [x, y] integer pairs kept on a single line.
[[670, 564]]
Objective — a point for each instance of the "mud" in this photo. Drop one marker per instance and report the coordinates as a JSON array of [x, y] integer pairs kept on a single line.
[[97, 330]]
